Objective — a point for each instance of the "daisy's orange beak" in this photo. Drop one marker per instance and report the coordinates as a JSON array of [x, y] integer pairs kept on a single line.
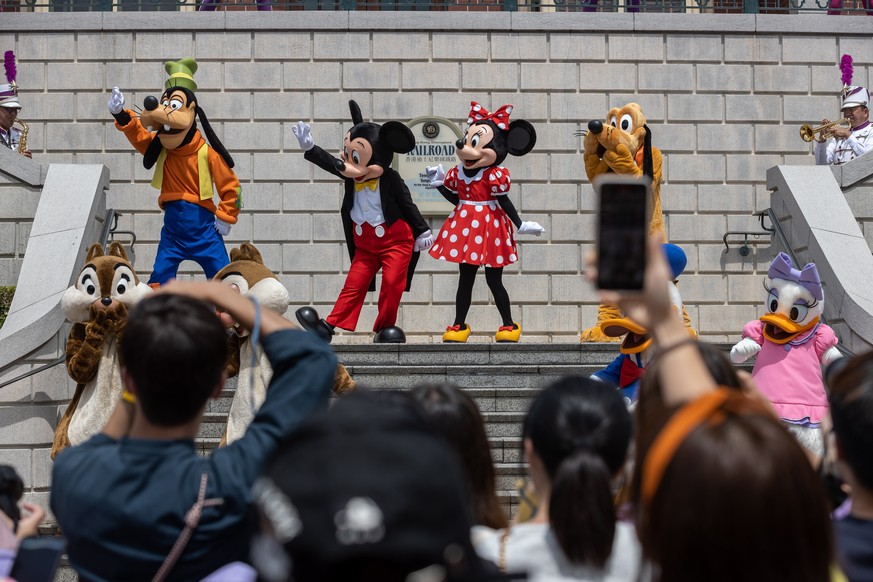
[[781, 330]]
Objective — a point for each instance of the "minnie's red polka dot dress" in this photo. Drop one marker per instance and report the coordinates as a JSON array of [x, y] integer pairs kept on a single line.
[[477, 231]]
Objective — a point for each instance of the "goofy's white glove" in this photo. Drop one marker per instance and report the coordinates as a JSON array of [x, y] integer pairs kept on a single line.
[[744, 349], [304, 137], [221, 227], [116, 101], [533, 228], [424, 241], [435, 176]]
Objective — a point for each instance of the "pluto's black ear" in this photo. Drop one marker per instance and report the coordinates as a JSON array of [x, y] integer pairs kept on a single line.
[[522, 137], [356, 112], [151, 154], [396, 137]]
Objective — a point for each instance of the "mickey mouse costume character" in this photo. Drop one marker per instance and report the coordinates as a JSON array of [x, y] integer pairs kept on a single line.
[[478, 231], [792, 346], [383, 227], [185, 169]]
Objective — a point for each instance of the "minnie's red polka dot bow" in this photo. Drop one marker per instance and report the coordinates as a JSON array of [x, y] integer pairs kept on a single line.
[[499, 117]]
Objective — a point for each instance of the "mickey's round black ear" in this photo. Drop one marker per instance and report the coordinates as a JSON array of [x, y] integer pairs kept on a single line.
[[521, 138], [356, 112], [396, 137]]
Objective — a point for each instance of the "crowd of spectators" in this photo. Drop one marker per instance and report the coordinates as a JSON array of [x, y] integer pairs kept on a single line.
[[700, 481]]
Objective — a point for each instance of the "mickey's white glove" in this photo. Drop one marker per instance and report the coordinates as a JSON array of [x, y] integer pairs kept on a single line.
[[116, 101], [221, 227], [304, 138], [744, 349], [424, 241], [533, 228], [435, 176]]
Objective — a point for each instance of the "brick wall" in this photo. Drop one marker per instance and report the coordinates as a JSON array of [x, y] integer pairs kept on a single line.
[[724, 94]]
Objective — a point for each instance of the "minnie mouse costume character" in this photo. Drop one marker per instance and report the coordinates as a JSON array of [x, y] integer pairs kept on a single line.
[[185, 169], [383, 227], [478, 230]]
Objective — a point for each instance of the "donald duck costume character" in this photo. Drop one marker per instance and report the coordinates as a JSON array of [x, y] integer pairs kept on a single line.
[[792, 345]]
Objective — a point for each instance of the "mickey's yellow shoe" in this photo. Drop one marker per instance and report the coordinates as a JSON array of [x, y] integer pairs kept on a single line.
[[508, 333], [455, 334]]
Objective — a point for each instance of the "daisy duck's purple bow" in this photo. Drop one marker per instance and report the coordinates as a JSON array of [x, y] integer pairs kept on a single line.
[[781, 268]]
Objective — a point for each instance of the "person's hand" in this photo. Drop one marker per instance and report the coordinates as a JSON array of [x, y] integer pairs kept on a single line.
[[222, 227], [28, 525], [424, 241], [530, 227], [653, 306], [841, 132], [27, 154], [303, 135], [116, 101], [435, 176], [744, 349]]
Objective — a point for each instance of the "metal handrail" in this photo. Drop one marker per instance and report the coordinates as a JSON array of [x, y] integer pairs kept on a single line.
[[110, 223]]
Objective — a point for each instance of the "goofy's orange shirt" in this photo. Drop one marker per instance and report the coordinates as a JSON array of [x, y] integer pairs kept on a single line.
[[178, 172]]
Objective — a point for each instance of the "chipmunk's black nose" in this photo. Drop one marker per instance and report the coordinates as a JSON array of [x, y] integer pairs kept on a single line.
[[595, 126], [150, 103], [107, 301]]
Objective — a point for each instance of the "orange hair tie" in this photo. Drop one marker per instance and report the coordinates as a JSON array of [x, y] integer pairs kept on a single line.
[[674, 434]]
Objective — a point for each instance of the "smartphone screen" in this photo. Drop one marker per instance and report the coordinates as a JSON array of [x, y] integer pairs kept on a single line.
[[37, 559], [623, 226]]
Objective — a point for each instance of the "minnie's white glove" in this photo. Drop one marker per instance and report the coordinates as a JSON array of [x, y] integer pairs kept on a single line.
[[533, 228], [221, 227], [116, 101], [304, 138], [744, 349], [435, 176], [424, 241]]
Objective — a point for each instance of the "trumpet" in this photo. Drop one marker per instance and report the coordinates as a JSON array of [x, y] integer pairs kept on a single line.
[[808, 133]]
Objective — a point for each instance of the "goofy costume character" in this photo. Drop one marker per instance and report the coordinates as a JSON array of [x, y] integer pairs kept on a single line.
[[185, 169], [792, 346]]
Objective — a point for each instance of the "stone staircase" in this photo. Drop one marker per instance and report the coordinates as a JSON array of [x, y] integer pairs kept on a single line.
[[501, 378]]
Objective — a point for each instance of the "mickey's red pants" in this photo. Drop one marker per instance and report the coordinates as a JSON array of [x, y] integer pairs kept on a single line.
[[390, 252]]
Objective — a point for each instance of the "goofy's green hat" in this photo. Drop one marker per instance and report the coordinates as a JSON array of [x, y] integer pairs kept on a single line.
[[181, 73]]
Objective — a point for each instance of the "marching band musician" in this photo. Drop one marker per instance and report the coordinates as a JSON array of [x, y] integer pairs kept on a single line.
[[848, 144], [10, 137]]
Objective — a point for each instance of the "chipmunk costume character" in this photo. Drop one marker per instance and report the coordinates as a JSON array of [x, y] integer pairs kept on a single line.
[[97, 305], [623, 145], [185, 169], [792, 345], [384, 229], [248, 274], [478, 232]]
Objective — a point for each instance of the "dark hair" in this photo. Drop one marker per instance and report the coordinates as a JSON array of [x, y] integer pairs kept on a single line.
[[580, 429], [850, 396], [741, 488], [175, 350], [11, 490], [456, 417]]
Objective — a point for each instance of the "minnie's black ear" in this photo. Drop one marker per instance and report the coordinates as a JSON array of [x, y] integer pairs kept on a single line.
[[522, 137], [396, 137], [356, 113]]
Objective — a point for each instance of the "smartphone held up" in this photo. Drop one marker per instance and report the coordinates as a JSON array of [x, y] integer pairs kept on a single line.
[[624, 204]]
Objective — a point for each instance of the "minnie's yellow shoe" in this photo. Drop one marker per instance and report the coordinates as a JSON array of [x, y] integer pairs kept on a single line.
[[455, 334], [508, 333]]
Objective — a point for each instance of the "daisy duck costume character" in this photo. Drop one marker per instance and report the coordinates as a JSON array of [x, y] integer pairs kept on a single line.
[[479, 232], [383, 227], [627, 369], [792, 345], [185, 169]]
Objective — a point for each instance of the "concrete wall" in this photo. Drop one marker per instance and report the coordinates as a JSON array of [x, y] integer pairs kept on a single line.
[[725, 95]]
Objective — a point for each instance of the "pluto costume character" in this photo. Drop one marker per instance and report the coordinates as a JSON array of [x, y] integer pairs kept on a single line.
[[248, 274], [623, 145], [383, 227], [97, 305], [792, 345], [185, 169]]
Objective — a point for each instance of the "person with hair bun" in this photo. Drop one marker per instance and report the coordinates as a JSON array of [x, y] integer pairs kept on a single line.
[[576, 436]]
